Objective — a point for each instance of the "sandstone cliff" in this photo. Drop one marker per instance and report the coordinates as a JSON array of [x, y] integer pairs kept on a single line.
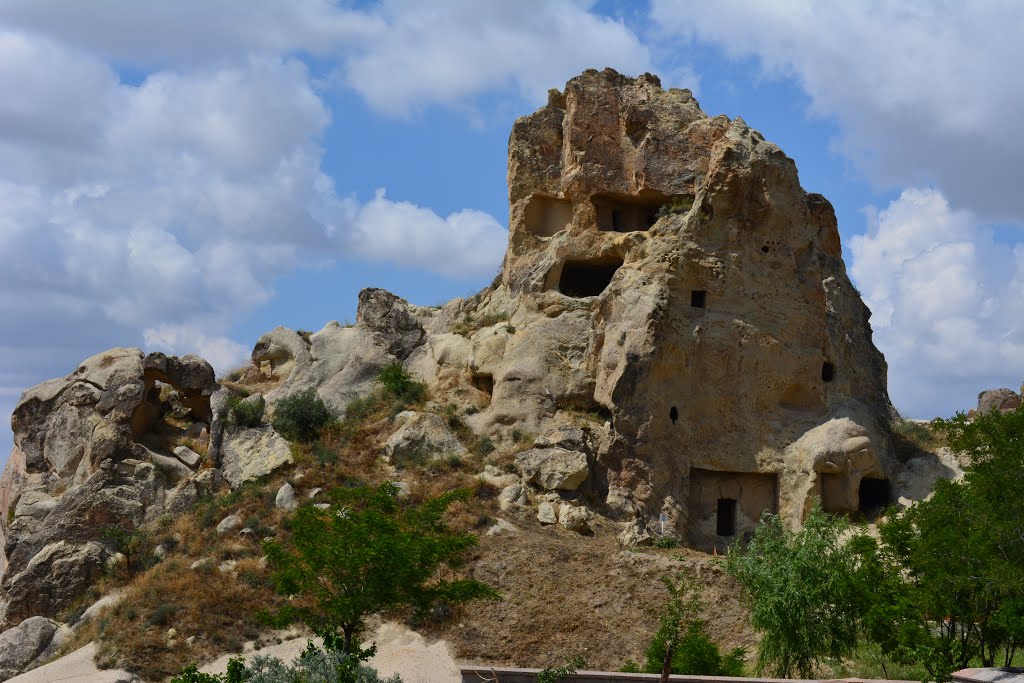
[[673, 345]]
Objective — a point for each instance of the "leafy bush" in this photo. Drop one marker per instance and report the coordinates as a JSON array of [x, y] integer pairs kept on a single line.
[[302, 416], [400, 384], [557, 674], [677, 205], [245, 412], [313, 665]]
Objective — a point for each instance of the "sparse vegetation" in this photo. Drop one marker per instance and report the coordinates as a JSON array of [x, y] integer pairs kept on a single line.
[[313, 665], [679, 204], [244, 411], [469, 324], [912, 439], [559, 673]]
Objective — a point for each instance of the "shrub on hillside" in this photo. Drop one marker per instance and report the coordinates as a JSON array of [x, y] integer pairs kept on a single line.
[[244, 412], [302, 416], [313, 665], [400, 384]]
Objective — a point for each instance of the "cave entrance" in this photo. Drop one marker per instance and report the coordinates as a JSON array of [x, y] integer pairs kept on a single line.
[[698, 298], [624, 213], [726, 517], [828, 372], [587, 278], [873, 496], [546, 216], [725, 505], [484, 381]]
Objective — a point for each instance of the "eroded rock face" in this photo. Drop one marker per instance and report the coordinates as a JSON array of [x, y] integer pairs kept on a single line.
[[998, 399], [24, 645], [77, 468], [668, 283]]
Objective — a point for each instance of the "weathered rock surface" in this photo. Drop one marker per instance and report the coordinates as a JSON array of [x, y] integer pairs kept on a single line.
[[285, 497], [24, 645], [76, 468], [998, 399], [667, 282], [252, 453], [422, 436], [553, 468]]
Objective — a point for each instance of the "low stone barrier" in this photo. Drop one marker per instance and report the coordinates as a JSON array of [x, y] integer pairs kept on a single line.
[[489, 674]]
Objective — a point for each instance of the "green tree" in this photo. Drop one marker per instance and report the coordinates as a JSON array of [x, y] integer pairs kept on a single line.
[[802, 591], [400, 384], [682, 644], [132, 543], [947, 578], [367, 554]]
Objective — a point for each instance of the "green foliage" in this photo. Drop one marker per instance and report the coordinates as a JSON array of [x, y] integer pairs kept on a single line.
[[947, 577], [401, 385], [682, 644], [302, 416], [665, 542], [134, 544], [802, 591], [313, 665], [244, 412], [557, 674], [367, 554]]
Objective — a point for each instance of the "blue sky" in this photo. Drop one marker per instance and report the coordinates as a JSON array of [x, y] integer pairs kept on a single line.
[[184, 176]]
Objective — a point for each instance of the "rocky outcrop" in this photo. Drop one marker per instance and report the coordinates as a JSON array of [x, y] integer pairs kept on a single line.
[[79, 466], [26, 645], [667, 282], [420, 437], [252, 453], [998, 399]]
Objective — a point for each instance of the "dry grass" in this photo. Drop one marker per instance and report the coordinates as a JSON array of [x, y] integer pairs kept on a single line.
[[149, 632]]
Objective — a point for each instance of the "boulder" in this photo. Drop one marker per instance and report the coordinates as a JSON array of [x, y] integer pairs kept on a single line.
[[23, 645], [998, 399], [553, 468], [229, 523], [574, 518], [546, 513], [252, 453], [285, 498], [390, 321], [422, 436], [76, 467], [512, 495], [188, 456]]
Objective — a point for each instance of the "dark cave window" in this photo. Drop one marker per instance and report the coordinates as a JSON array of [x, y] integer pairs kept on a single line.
[[828, 372], [484, 381], [873, 496], [726, 517], [586, 278], [698, 298], [673, 414]]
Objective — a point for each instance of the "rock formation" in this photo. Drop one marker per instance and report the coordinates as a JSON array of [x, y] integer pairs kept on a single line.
[[81, 464], [672, 343], [668, 278]]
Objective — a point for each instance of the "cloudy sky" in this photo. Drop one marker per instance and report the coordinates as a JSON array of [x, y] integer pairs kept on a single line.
[[182, 176]]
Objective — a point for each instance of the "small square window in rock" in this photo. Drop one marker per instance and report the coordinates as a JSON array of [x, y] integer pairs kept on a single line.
[[698, 298]]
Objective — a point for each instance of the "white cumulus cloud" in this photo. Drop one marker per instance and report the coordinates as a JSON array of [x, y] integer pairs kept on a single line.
[[925, 92], [947, 296]]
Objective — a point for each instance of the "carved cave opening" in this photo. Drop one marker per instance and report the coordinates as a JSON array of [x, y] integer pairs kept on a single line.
[[622, 213], [873, 496], [828, 372], [546, 216], [673, 414], [484, 381], [587, 278], [724, 505], [726, 517], [698, 298]]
